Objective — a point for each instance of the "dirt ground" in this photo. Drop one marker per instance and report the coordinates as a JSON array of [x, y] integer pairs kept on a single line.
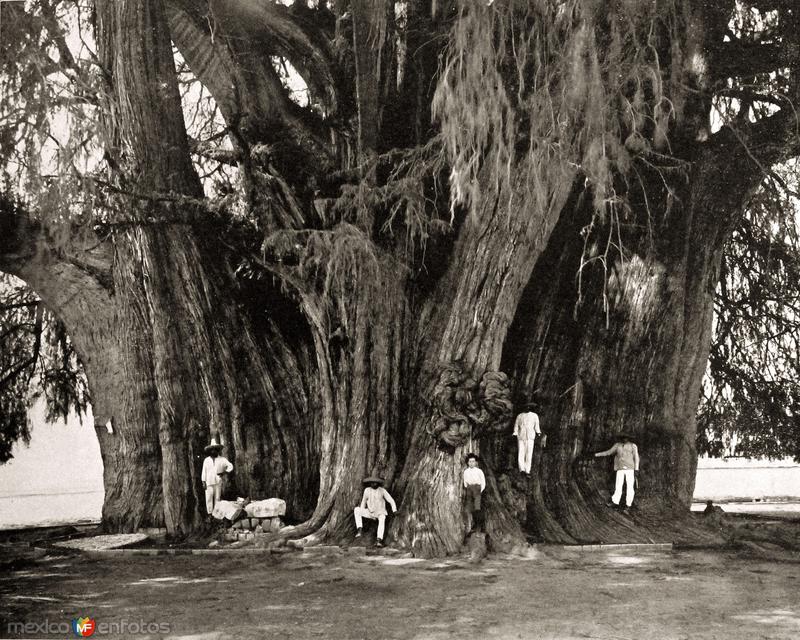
[[554, 594]]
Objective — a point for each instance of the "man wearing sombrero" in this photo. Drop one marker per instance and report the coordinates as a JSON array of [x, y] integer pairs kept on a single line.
[[373, 506], [215, 468], [626, 464]]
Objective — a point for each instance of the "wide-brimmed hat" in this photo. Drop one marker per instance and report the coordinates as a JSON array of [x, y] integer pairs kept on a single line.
[[370, 479], [214, 446], [624, 436]]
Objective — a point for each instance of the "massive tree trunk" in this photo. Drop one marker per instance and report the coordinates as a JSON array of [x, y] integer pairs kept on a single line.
[[358, 346], [189, 374], [261, 410], [460, 399], [131, 453], [624, 349]]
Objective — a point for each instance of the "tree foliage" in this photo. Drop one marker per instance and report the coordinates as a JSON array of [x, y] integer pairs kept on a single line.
[[36, 359], [750, 406]]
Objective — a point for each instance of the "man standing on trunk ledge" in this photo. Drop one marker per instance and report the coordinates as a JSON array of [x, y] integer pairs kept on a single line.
[[526, 428], [474, 484], [626, 464]]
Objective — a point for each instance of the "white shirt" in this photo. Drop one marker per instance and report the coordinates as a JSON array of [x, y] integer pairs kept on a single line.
[[212, 467], [526, 426], [473, 475], [374, 501]]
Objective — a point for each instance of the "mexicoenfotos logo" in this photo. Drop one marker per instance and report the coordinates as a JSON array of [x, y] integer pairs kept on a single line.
[[83, 627]]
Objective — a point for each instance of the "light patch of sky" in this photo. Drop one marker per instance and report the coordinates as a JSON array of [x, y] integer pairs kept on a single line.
[[292, 80], [78, 37], [204, 121], [201, 115], [85, 159]]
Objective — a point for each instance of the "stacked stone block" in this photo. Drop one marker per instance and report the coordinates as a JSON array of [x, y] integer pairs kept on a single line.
[[258, 525], [261, 517]]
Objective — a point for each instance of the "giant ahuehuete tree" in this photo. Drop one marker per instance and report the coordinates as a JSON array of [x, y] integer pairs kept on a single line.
[[352, 237]]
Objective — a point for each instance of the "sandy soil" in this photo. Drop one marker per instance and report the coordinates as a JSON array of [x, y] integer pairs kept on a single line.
[[555, 594]]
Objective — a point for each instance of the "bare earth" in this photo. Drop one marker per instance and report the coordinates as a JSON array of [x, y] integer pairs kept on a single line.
[[556, 594]]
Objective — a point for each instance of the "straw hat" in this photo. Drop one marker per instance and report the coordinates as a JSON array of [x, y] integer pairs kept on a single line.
[[214, 446]]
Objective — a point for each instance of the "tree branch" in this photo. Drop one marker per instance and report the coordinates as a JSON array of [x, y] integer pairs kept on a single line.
[[229, 47], [17, 369], [205, 149], [37, 341], [739, 58], [57, 36], [148, 129], [775, 139], [750, 97], [25, 249], [302, 36], [19, 305]]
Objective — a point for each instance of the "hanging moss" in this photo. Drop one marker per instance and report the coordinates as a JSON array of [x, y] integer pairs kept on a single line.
[[532, 92]]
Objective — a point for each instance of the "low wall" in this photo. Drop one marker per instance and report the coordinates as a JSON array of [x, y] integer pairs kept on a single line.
[[742, 478]]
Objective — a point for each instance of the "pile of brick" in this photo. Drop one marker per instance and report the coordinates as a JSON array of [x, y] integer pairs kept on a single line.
[[258, 525], [260, 517]]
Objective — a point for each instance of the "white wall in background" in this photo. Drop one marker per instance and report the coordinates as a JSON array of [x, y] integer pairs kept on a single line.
[[721, 478], [58, 478]]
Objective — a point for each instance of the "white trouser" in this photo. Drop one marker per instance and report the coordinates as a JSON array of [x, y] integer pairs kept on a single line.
[[626, 476], [525, 454], [213, 495], [360, 513]]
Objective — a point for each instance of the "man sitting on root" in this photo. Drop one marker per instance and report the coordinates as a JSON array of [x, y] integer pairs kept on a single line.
[[373, 506]]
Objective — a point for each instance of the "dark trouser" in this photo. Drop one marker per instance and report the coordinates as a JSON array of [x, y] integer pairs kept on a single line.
[[473, 497], [473, 492]]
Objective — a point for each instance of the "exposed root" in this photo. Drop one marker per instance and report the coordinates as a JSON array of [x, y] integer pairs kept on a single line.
[[309, 540]]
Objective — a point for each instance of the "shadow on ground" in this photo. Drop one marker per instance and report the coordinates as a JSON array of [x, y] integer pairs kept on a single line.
[[553, 593]]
